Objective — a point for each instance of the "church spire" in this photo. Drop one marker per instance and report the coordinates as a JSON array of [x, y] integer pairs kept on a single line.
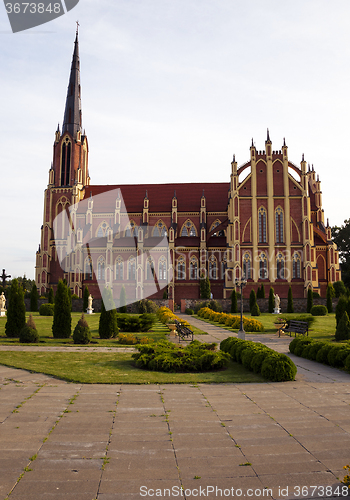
[[72, 115]]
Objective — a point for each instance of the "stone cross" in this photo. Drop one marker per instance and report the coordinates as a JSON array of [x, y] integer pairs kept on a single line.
[[3, 277]]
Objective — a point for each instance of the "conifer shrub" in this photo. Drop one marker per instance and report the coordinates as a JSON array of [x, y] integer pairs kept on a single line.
[[146, 306], [62, 319], [28, 333], [82, 333], [142, 323], [51, 298], [339, 288], [255, 311], [16, 311], [189, 311], [271, 300], [343, 329], [341, 307], [322, 355], [252, 300], [310, 300], [34, 297], [319, 310], [122, 300], [108, 324], [234, 307], [330, 294], [290, 307], [262, 291], [168, 357], [86, 299]]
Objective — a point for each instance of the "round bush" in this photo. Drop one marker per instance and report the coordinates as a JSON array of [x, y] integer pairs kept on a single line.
[[189, 311], [337, 355], [255, 311], [278, 368], [322, 355], [319, 310], [314, 348], [234, 347], [28, 335], [82, 334], [248, 355], [240, 348], [46, 309], [301, 345], [259, 358]]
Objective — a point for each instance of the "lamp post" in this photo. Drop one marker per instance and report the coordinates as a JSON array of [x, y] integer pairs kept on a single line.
[[241, 283]]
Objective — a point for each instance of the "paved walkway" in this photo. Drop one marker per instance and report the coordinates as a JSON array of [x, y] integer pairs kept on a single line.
[[64, 441]]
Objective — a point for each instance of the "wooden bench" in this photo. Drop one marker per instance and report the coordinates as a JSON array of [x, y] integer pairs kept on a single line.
[[183, 332], [298, 327]]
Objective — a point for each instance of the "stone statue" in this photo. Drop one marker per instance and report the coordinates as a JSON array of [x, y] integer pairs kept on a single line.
[[89, 309], [2, 301], [277, 301], [277, 309]]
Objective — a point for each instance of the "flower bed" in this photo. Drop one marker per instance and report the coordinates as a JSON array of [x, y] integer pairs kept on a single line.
[[230, 320]]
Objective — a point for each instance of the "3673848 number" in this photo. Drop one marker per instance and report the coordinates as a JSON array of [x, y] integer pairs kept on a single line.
[[32, 8]]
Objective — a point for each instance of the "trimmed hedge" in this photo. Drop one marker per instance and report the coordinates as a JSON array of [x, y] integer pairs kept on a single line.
[[46, 309], [337, 356], [230, 320], [260, 359], [319, 310], [168, 357]]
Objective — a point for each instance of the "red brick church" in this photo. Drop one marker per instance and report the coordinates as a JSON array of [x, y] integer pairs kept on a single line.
[[266, 223]]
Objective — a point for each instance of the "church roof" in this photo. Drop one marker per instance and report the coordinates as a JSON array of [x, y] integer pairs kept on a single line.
[[160, 196], [72, 121]]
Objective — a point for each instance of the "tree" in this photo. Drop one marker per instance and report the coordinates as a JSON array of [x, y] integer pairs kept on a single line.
[[271, 300], [342, 306], [108, 325], [204, 287], [34, 299], [86, 299], [330, 294], [82, 334], [234, 307], [16, 311], [207, 288], [339, 288], [343, 328], [51, 298], [258, 293], [62, 319], [310, 300], [255, 310], [290, 307], [122, 301], [341, 236], [252, 300], [262, 291]]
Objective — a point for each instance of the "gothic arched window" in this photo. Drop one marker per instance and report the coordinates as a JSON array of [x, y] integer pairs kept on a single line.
[[162, 266], [160, 229], [150, 269], [213, 268], [101, 268], [262, 225], [296, 265], [188, 229], [131, 269], [193, 268], [263, 266], [131, 229], [279, 225], [247, 266], [119, 268], [181, 269], [280, 266], [88, 269]]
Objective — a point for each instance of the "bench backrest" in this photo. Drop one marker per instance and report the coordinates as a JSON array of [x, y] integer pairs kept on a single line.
[[299, 324]]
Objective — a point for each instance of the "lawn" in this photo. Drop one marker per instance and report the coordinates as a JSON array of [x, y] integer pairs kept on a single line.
[[114, 368], [323, 328]]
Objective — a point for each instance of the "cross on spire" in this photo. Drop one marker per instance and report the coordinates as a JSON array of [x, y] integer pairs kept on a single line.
[[77, 26]]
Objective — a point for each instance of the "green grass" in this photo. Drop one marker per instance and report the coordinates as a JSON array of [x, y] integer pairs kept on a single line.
[[44, 327], [114, 368], [323, 328]]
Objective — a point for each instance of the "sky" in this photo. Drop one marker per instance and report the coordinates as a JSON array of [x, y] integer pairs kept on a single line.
[[171, 89]]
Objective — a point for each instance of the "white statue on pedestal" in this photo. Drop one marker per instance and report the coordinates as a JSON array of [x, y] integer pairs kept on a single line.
[[277, 309], [89, 309], [2, 304]]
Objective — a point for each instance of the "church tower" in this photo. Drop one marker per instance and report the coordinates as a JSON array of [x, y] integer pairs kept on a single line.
[[68, 178]]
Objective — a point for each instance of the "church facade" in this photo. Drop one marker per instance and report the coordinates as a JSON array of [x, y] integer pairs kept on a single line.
[[266, 224]]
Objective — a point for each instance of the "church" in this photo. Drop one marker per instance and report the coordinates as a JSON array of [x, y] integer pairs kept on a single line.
[[266, 225]]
